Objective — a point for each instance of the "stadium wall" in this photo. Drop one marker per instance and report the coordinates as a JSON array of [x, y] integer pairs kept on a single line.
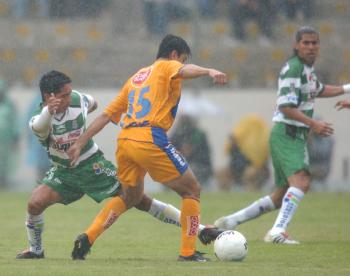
[[231, 106]]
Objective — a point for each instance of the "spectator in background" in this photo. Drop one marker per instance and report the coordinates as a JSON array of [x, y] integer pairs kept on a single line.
[[9, 135], [207, 8], [291, 8], [22, 8], [320, 156], [192, 142], [248, 152], [77, 8], [37, 156], [260, 11], [156, 16]]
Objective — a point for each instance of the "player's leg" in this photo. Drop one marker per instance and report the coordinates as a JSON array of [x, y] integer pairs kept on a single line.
[[162, 211], [259, 207], [57, 188], [167, 213], [114, 208], [42, 197], [290, 160], [266, 203], [103, 184], [299, 185], [189, 189]]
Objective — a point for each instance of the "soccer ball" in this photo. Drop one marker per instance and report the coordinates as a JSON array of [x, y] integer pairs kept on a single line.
[[230, 246]]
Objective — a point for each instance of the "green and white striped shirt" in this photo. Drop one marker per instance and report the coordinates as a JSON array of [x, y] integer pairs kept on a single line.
[[65, 129], [297, 87]]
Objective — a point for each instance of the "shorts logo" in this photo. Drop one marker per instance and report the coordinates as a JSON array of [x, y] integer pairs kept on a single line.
[[192, 225], [112, 217], [99, 168], [176, 155]]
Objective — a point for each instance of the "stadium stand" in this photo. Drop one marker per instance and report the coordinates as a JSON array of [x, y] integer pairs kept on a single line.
[[103, 50]]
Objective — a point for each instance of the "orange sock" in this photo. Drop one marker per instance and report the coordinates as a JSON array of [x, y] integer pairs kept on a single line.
[[107, 216], [189, 226]]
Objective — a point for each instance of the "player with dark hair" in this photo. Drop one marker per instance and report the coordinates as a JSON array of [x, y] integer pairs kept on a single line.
[[58, 122], [149, 100], [298, 86]]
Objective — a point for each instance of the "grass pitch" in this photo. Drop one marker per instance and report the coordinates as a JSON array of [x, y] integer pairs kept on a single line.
[[137, 244]]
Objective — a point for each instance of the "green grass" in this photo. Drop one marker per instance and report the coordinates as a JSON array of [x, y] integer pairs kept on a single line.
[[139, 245]]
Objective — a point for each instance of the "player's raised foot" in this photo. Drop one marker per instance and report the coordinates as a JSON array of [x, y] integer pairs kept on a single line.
[[196, 257], [225, 223], [81, 247], [209, 234], [27, 254], [282, 238]]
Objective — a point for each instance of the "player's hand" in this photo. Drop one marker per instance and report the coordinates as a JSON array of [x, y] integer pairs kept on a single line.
[[217, 76], [74, 153], [322, 128], [342, 104], [53, 103]]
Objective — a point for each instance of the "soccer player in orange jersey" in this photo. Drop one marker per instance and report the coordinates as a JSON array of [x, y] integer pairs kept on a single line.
[[149, 100]]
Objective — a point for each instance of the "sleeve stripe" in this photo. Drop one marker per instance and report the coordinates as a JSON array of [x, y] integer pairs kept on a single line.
[[288, 82]]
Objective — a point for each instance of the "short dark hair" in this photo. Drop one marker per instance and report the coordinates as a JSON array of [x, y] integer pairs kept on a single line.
[[305, 30], [52, 82], [170, 43]]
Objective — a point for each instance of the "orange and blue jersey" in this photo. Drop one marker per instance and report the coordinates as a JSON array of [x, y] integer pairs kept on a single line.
[[149, 100]]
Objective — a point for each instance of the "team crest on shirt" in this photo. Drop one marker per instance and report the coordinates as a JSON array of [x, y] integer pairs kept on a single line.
[[140, 77]]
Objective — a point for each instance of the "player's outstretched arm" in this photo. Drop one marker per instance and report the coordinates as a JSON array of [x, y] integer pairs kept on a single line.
[[95, 127], [333, 90], [342, 104], [190, 71]]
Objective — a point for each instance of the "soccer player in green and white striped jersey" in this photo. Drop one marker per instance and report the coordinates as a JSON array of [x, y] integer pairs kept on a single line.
[[298, 86], [59, 121]]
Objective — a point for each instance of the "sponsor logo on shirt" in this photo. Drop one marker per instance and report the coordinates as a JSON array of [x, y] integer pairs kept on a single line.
[[74, 134], [140, 77]]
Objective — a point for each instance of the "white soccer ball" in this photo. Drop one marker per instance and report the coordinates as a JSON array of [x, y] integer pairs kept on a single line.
[[230, 246]]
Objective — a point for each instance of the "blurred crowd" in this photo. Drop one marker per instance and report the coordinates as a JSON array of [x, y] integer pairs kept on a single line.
[[21, 9]]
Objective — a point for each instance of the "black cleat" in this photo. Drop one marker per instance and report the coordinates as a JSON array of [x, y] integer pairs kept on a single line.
[[27, 254], [81, 247], [196, 257], [209, 234]]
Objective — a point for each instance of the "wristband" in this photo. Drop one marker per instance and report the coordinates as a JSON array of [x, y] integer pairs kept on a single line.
[[346, 88]]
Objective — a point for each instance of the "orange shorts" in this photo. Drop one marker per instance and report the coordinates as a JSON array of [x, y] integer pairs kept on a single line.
[[163, 162]]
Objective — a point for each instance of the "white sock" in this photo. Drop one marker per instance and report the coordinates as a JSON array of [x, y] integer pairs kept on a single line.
[[290, 204], [166, 213], [35, 226], [256, 209]]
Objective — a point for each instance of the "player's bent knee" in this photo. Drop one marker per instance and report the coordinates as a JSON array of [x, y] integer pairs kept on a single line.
[[35, 207]]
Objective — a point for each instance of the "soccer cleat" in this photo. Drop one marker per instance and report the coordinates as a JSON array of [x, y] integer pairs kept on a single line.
[[282, 238], [27, 254], [196, 257], [81, 247], [209, 234]]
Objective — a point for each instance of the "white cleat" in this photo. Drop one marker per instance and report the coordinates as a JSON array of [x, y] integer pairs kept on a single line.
[[282, 238], [223, 223]]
